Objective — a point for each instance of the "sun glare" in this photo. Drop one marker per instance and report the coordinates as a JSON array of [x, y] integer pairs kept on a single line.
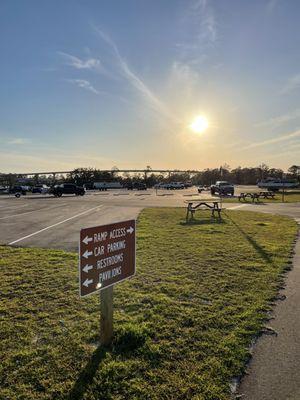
[[199, 125]]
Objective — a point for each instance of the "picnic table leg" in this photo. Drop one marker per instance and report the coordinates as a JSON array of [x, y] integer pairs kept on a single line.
[[188, 213], [189, 210]]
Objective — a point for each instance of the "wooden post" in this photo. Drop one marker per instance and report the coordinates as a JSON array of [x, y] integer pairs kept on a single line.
[[106, 317]]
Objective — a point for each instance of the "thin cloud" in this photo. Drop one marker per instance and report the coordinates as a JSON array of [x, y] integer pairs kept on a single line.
[[132, 78], [207, 19], [76, 62], [281, 119], [18, 141], [292, 84], [84, 84], [199, 32], [279, 139]]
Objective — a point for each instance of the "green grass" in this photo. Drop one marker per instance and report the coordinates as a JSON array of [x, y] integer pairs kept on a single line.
[[183, 324], [290, 196]]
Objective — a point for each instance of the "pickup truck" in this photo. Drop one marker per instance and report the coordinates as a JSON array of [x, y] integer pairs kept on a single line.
[[222, 188], [67, 188]]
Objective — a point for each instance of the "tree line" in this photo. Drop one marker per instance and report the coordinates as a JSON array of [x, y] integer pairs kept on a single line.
[[208, 176], [239, 175]]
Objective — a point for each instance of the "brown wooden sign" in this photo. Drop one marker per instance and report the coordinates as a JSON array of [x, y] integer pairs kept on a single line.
[[106, 256]]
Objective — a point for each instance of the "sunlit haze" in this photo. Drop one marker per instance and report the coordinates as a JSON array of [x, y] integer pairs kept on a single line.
[[199, 124], [187, 84]]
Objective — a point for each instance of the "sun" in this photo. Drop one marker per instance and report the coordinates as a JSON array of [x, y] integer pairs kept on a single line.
[[199, 125]]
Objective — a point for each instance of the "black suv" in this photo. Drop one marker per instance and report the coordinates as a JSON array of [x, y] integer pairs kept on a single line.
[[67, 188]]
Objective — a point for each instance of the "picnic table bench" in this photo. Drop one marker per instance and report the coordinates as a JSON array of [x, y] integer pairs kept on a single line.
[[256, 196], [193, 206], [267, 195]]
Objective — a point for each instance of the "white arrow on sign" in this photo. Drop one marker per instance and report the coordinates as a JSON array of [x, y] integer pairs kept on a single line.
[[87, 282], [86, 254], [130, 230], [87, 267], [87, 240]]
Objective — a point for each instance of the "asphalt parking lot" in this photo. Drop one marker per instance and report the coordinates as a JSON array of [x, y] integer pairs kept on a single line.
[[45, 221]]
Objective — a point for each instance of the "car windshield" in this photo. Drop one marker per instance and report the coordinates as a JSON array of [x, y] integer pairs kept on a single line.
[[222, 183]]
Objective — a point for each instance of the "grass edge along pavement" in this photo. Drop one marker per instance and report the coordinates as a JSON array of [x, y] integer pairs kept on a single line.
[[290, 196], [183, 324]]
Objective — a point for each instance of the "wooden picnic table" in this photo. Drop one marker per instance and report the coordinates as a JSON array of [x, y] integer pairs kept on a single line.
[[256, 196], [267, 195], [196, 205]]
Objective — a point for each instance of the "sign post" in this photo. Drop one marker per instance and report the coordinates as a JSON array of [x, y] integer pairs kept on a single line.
[[106, 315], [106, 257]]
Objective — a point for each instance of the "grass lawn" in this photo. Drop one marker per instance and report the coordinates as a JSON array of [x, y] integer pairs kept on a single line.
[[291, 196], [183, 324]]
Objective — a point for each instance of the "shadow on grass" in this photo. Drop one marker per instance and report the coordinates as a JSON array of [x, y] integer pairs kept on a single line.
[[211, 221], [253, 242], [127, 340], [287, 193], [86, 376]]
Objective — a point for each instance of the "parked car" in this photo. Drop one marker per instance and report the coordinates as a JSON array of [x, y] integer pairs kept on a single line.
[[18, 190], [161, 186], [137, 186], [173, 185], [203, 188], [67, 188], [89, 185], [222, 188], [40, 189], [177, 185], [188, 184], [4, 190], [107, 185]]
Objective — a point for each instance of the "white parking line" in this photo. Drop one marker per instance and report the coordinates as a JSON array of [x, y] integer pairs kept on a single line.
[[18, 215], [52, 226], [12, 207], [32, 211]]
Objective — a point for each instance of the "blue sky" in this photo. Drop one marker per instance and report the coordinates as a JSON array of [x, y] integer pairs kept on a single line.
[[117, 83]]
